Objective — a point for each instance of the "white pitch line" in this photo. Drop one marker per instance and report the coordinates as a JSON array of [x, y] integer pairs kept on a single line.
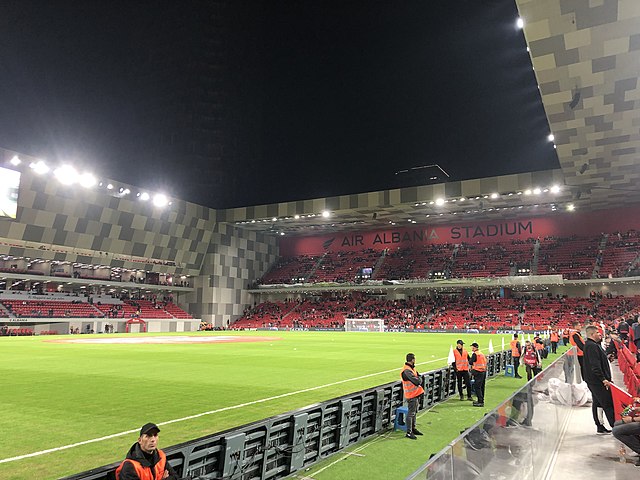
[[210, 412]]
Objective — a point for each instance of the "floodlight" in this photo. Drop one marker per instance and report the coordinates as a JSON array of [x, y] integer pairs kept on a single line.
[[109, 187], [87, 180], [494, 195], [297, 217], [66, 175], [520, 23], [439, 201], [39, 167], [551, 137], [527, 192], [571, 207], [15, 161], [537, 191], [325, 214], [160, 200], [144, 196]]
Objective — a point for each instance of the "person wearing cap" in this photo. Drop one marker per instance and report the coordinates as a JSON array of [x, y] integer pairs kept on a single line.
[[145, 461], [479, 372], [412, 389], [461, 367]]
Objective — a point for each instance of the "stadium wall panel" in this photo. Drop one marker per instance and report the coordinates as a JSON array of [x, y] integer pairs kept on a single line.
[[235, 258]]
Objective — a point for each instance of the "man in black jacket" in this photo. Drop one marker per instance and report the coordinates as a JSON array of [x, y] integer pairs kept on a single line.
[[145, 459], [597, 372]]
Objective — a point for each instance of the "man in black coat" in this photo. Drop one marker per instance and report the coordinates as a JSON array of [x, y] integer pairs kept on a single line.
[[597, 372]]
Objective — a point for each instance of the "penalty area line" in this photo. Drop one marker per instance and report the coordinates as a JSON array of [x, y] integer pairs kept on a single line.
[[198, 415]]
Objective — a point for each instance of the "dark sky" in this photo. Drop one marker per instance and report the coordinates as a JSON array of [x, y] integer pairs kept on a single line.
[[321, 98]]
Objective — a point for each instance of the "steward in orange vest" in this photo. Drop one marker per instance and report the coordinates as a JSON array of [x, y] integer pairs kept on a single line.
[[515, 354], [576, 340], [554, 338], [461, 367], [479, 372], [144, 460], [412, 388]]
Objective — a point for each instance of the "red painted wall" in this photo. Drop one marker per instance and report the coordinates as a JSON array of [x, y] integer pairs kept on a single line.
[[567, 224]]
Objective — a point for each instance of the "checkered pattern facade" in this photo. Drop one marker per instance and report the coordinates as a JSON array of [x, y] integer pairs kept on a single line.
[[585, 55], [235, 258], [93, 226]]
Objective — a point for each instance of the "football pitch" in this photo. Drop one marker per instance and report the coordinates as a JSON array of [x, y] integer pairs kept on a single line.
[[70, 407]]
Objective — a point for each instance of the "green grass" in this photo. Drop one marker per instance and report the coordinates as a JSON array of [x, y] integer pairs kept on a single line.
[[57, 394]]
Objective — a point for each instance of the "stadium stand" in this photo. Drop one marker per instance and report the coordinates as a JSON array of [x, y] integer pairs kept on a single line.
[[620, 253], [575, 258], [20, 306], [343, 267], [290, 270], [51, 309], [427, 262], [441, 312]]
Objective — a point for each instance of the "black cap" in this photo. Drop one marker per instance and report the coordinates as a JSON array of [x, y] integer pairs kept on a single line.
[[474, 344], [148, 427], [460, 342]]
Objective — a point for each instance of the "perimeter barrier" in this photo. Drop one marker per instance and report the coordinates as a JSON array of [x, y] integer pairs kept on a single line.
[[284, 444], [519, 439]]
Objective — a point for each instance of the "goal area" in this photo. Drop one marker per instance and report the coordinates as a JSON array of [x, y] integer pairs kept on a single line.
[[363, 325]]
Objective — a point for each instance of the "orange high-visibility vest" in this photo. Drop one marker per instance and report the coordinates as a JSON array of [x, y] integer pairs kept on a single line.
[[538, 346], [572, 342], [554, 337], [515, 351], [145, 473], [462, 360], [480, 365], [410, 390]]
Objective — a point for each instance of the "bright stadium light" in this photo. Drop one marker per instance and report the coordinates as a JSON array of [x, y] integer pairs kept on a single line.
[[144, 196], [440, 201], [571, 207], [520, 23], [325, 214], [39, 167], [494, 196], [551, 137], [87, 180], [15, 161], [537, 191], [297, 217], [66, 175], [160, 200], [555, 189]]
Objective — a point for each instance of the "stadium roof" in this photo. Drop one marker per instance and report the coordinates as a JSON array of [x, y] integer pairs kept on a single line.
[[585, 59]]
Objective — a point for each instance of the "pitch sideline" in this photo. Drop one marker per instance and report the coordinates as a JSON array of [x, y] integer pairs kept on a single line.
[[210, 412]]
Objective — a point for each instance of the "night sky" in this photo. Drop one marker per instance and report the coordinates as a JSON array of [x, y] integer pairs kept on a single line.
[[321, 98]]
